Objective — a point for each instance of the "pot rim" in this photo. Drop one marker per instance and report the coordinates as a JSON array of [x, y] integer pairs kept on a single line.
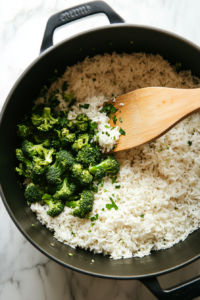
[[150, 28]]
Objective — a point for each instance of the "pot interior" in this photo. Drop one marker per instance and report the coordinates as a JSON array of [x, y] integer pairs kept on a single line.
[[123, 38]]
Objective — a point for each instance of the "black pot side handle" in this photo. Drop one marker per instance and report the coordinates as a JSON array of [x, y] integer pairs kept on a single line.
[[75, 13], [185, 291]]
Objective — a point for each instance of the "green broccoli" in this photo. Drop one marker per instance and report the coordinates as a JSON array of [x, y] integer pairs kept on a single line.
[[82, 124], [64, 160], [71, 125], [89, 155], [31, 150], [33, 193], [83, 140], [83, 176], [82, 118], [44, 122], [62, 119], [109, 166], [67, 190], [55, 206], [23, 131], [83, 206], [25, 168], [66, 137]]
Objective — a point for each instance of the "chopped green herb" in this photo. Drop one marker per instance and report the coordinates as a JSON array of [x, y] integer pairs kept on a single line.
[[142, 216], [120, 120], [114, 119], [160, 150], [72, 103], [118, 186], [33, 225], [114, 82], [107, 133], [113, 205], [189, 143], [95, 218], [102, 132], [106, 126], [109, 109], [89, 230], [167, 146], [28, 203], [70, 254], [118, 198], [65, 86], [94, 79], [175, 208], [114, 179], [113, 195], [82, 78], [72, 233], [122, 131], [105, 191], [86, 106], [114, 138], [92, 224]]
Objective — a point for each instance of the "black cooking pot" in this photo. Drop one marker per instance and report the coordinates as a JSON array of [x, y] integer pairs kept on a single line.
[[120, 38]]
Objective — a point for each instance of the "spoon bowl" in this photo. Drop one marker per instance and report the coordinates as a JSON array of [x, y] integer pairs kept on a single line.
[[148, 113]]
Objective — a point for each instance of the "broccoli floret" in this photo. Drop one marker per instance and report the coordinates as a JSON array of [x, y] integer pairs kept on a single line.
[[44, 122], [89, 155], [46, 158], [31, 150], [82, 118], [82, 123], [110, 166], [83, 140], [83, 206], [66, 137], [23, 131], [66, 190], [83, 176], [33, 193], [55, 206], [25, 168], [64, 160], [62, 119], [71, 125], [53, 188]]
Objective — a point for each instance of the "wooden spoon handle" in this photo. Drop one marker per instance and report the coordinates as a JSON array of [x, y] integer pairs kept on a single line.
[[150, 112]]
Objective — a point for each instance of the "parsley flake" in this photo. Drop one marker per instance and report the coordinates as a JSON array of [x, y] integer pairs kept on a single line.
[[86, 106], [122, 131], [142, 216], [114, 119], [189, 143], [113, 205], [120, 120], [114, 179], [118, 186]]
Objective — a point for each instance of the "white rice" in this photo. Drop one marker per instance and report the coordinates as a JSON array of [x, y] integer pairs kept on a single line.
[[158, 202]]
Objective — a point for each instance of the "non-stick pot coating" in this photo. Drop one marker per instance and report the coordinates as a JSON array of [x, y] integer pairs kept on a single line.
[[104, 40]]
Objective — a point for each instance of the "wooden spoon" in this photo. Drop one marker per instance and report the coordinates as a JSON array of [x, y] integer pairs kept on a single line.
[[150, 112]]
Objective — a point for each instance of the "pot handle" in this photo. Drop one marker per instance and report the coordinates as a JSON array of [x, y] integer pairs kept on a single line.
[[187, 290], [75, 13]]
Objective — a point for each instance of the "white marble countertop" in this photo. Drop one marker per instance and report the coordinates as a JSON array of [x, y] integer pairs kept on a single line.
[[25, 273]]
